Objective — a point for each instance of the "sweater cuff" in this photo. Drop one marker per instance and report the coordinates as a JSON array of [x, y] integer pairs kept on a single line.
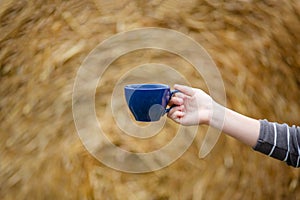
[[265, 141]]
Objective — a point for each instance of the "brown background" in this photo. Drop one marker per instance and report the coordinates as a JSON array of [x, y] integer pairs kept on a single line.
[[255, 45]]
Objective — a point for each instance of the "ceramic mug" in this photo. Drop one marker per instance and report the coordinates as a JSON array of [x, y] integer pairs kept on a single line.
[[148, 102]]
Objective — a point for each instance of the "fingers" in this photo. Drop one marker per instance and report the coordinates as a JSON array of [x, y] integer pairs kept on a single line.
[[176, 101], [185, 89], [179, 95], [176, 113]]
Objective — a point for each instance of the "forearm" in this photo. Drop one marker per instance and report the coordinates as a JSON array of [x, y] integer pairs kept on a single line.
[[242, 128]]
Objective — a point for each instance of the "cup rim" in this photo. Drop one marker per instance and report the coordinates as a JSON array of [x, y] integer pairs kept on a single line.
[[150, 86]]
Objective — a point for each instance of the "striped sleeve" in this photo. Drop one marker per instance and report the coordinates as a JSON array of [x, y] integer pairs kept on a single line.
[[279, 141]]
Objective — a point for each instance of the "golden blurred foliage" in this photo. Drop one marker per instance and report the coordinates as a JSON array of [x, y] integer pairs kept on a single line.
[[255, 44]]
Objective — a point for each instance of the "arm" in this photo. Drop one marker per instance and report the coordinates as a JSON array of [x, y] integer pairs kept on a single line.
[[279, 141]]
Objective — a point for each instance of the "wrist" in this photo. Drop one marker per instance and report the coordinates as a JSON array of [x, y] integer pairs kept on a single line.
[[206, 113], [216, 116]]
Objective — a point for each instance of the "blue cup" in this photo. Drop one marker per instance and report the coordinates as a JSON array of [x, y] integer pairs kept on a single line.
[[148, 102]]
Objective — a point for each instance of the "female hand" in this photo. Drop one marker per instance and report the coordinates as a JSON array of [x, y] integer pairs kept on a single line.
[[193, 106]]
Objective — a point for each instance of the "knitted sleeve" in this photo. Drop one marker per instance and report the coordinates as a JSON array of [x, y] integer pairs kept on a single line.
[[279, 141]]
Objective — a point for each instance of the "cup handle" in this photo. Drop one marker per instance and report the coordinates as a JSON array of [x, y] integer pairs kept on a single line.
[[172, 93]]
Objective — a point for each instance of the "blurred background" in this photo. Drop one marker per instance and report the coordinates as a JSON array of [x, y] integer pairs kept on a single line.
[[255, 45]]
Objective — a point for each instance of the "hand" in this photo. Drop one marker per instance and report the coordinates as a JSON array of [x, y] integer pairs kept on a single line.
[[193, 106]]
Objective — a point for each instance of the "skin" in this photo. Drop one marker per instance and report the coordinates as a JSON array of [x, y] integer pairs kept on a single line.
[[195, 107]]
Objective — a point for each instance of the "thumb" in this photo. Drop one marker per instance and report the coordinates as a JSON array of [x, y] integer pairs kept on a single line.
[[185, 89]]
